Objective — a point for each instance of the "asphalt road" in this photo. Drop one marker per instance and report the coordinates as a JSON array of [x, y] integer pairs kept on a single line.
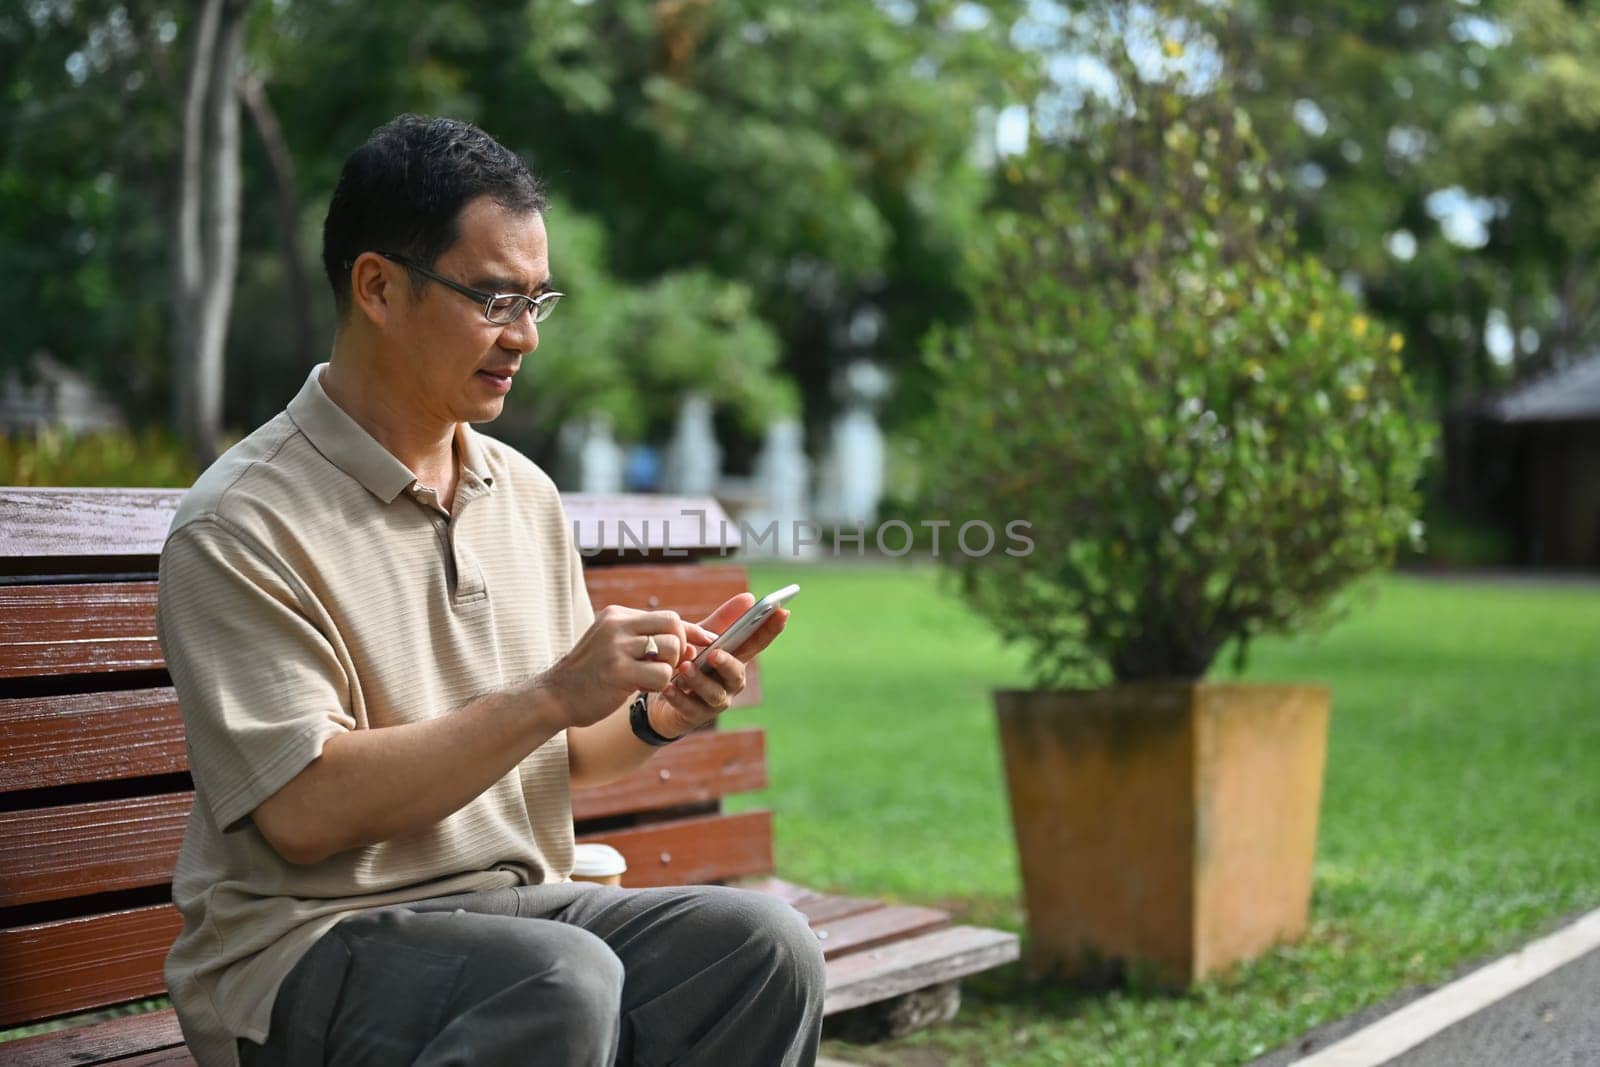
[[1553, 1021]]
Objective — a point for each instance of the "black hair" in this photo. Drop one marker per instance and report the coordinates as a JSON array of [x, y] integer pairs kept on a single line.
[[402, 192]]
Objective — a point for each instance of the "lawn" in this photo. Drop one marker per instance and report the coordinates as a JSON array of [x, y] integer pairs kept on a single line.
[[1461, 811]]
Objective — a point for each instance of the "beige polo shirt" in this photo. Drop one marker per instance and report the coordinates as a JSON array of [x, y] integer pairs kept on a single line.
[[310, 586]]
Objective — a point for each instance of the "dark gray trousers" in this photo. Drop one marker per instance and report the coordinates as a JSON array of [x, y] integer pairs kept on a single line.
[[560, 974]]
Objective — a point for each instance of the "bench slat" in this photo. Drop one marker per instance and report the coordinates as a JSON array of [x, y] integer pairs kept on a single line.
[[90, 737], [171, 1057], [702, 848], [151, 1033], [692, 590], [880, 973], [702, 767], [111, 626], [99, 737], [77, 964], [68, 524], [73, 629], [77, 849], [72, 530], [816, 907], [878, 926]]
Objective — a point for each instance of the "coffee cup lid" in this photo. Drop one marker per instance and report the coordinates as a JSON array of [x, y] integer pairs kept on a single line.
[[597, 861]]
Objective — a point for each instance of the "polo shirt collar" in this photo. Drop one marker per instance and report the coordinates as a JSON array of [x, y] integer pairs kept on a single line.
[[345, 444]]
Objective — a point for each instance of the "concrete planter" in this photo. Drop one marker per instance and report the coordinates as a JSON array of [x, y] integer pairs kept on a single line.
[[1166, 825]]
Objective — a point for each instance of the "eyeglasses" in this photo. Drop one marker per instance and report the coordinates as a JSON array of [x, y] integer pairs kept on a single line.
[[502, 309]]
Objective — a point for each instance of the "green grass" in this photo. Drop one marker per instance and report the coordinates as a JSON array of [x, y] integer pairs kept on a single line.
[[1461, 810]]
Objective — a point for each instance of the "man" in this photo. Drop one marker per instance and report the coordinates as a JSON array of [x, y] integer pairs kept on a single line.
[[390, 677]]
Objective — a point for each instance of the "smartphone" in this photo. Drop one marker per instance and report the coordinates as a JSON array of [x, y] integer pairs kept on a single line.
[[745, 625]]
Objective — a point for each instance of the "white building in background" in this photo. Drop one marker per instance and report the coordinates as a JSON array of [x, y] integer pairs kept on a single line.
[[694, 459], [851, 481], [781, 489], [777, 501], [59, 397], [591, 459]]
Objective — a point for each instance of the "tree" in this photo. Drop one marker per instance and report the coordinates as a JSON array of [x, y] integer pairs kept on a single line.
[[823, 162], [207, 221], [1535, 150], [87, 152], [1354, 100]]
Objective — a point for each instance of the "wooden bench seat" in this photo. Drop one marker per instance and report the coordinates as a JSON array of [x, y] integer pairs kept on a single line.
[[94, 783]]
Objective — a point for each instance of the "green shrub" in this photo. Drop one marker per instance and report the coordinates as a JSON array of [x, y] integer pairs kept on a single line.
[[113, 458], [1208, 435]]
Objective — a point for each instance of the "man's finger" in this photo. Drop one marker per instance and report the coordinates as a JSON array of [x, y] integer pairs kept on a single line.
[[700, 684], [722, 618], [727, 670], [765, 636], [663, 647], [648, 674], [698, 634], [657, 622], [689, 711]]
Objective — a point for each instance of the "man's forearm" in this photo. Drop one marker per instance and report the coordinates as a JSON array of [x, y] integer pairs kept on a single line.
[[375, 785], [606, 751]]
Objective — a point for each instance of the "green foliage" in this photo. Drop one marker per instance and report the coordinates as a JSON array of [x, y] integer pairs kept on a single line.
[[113, 458], [630, 351], [1208, 435], [773, 163], [1534, 146], [1352, 99], [88, 136], [821, 154]]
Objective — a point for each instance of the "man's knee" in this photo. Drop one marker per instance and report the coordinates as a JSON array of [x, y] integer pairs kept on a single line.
[[562, 996], [541, 967], [781, 936], [581, 980]]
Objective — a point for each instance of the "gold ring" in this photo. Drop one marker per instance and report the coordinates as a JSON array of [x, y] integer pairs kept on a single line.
[[650, 649]]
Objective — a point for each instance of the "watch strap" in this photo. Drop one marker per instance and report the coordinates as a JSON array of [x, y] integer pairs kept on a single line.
[[639, 720]]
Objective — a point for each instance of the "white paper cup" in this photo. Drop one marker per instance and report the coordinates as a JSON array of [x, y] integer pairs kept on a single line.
[[598, 863]]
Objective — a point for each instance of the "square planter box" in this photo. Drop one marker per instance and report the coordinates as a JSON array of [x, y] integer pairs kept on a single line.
[[1168, 825]]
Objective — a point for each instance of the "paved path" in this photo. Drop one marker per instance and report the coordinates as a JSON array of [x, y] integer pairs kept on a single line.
[[1537, 1007]]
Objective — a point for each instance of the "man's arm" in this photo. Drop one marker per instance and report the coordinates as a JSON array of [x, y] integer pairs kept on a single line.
[[374, 785]]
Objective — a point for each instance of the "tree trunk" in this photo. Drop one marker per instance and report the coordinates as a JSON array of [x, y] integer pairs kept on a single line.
[[207, 242], [265, 120]]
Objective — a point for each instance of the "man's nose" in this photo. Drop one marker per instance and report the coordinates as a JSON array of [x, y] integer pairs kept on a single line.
[[522, 334]]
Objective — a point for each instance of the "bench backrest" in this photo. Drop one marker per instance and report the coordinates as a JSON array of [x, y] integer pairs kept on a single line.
[[94, 782]]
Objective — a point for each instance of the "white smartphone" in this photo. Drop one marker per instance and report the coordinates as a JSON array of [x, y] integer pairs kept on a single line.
[[745, 625]]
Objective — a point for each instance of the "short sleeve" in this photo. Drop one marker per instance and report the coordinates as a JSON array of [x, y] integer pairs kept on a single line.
[[261, 689], [582, 606]]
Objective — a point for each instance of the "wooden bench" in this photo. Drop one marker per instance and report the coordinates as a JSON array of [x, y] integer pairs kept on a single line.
[[95, 790]]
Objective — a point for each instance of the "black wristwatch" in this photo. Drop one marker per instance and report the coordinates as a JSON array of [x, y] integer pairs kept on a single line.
[[639, 719]]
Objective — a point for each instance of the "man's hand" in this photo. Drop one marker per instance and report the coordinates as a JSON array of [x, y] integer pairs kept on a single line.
[[611, 661], [697, 697]]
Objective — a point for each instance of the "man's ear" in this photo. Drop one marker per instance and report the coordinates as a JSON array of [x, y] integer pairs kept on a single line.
[[374, 285]]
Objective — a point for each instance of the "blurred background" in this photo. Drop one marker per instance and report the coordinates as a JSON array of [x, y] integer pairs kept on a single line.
[[761, 209], [895, 259]]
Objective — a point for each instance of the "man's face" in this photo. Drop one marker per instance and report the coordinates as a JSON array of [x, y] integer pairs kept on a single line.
[[457, 360]]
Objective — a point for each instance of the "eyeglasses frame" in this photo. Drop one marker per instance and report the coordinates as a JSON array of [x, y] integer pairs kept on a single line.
[[541, 305]]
